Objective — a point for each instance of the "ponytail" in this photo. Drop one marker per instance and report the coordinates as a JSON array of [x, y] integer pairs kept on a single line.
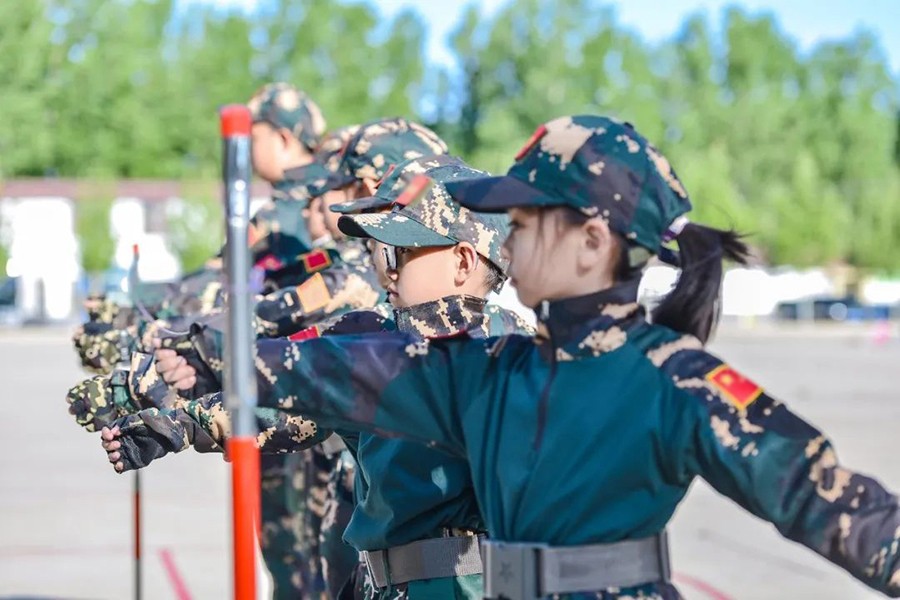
[[693, 306]]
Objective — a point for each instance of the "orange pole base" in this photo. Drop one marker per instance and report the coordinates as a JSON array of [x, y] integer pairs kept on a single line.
[[245, 492]]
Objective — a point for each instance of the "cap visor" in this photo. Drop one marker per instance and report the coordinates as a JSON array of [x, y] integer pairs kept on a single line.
[[393, 229], [497, 194], [361, 205], [333, 181]]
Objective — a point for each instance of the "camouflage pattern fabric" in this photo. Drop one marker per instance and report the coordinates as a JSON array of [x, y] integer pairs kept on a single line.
[[279, 275], [596, 165], [281, 432], [373, 149], [339, 559], [348, 285], [100, 346], [278, 230], [677, 412], [395, 181], [283, 106], [97, 402], [326, 159], [286, 541], [425, 215]]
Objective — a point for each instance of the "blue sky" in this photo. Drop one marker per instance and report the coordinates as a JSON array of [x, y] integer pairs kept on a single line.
[[807, 21]]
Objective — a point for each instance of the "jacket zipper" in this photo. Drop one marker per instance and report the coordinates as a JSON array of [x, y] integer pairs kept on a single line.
[[545, 395]]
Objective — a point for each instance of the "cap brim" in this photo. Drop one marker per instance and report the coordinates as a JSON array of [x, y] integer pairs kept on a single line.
[[361, 205], [393, 229], [497, 194], [332, 181]]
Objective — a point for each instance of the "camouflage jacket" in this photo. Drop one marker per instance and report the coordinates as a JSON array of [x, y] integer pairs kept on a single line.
[[280, 247], [345, 285], [397, 501], [597, 382]]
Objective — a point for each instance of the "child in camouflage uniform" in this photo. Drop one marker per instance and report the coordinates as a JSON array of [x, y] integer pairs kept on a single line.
[[401, 509], [582, 441]]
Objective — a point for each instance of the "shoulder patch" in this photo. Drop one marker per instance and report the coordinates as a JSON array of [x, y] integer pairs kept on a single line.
[[733, 386], [269, 262], [316, 260], [313, 293], [305, 334]]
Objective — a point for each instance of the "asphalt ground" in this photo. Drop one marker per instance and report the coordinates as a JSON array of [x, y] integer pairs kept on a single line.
[[66, 518]]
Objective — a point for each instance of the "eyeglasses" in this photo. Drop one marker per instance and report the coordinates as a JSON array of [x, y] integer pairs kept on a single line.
[[392, 254], [389, 253]]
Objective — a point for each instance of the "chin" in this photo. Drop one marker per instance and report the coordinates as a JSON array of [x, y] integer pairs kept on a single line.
[[528, 299]]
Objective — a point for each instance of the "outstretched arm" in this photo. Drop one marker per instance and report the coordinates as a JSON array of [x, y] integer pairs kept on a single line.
[[390, 384], [782, 469]]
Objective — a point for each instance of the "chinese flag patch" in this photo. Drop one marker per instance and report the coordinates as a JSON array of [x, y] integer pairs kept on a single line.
[[737, 389], [313, 293], [316, 260], [305, 334], [269, 262], [532, 142]]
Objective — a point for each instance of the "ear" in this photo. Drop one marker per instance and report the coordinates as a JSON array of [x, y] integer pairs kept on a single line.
[[369, 186], [286, 137], [597, 244], [466, 262]]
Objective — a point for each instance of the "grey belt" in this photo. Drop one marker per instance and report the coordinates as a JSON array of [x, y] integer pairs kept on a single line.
[[426, 559], [528, 571]]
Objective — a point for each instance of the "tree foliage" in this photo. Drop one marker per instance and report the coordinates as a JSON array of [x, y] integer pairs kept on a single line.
[[799, 147]]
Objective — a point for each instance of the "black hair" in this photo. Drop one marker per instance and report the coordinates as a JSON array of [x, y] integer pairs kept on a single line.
[[693, 305], [493, 276]]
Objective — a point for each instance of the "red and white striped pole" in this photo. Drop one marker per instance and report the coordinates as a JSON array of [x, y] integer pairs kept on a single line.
[[240, 381]]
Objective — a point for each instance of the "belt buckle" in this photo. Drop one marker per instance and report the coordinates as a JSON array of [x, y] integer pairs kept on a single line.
[[511, 570], [375, 565]]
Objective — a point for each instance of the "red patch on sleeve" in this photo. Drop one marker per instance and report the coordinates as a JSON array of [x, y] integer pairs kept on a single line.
[[270, 262], [316, 260], [532, 142], [736, 388], [305, 334]]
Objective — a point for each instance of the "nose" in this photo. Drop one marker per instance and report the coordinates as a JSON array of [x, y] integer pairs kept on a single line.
[[504, 249]]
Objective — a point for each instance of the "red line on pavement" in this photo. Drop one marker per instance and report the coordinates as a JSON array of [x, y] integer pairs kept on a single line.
[[181, 590], [699, 584]]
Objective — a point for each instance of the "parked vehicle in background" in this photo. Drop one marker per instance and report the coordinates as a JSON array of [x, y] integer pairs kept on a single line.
[[839, 309]]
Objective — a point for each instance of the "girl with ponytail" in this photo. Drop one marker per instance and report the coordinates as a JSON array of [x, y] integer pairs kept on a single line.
[[583, 440]]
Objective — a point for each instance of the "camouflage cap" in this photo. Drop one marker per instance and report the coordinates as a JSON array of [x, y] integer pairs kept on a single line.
[[281, 105], [326, 159], [596, 165], [395, 180], [378, 145], [425, 215]]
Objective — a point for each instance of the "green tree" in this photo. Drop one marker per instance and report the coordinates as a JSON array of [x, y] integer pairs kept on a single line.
[[92, 228], [196, 227]]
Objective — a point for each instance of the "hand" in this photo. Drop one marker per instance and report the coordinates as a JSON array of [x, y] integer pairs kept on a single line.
[[112, 445], [174, 369]]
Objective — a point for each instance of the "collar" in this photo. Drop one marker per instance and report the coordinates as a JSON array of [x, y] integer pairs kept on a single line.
[[589, 325], [292, 187], [352, 250], [446, 317]]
